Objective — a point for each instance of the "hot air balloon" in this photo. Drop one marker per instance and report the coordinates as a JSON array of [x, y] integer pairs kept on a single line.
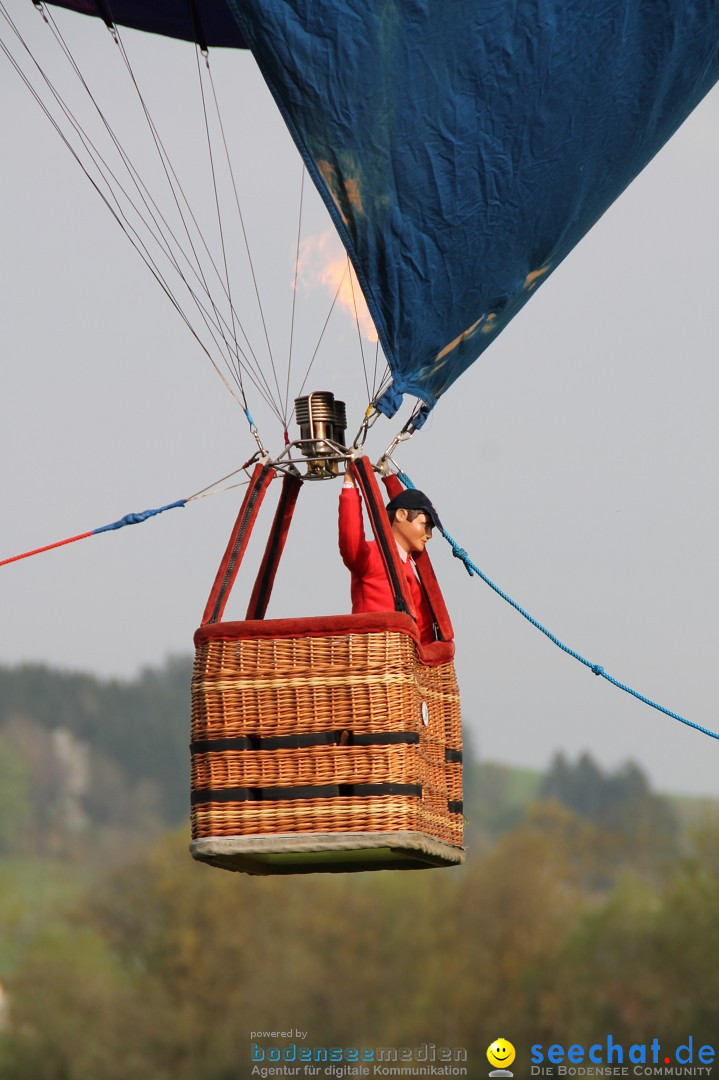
[[461, 154]]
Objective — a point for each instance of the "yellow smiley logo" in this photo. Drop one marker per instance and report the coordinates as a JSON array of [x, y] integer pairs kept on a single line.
[[501, 1053]]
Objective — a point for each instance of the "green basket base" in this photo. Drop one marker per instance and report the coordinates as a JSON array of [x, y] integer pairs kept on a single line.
[[318, 853]]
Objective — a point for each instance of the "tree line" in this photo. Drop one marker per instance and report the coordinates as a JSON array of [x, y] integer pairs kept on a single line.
[[586, 907], [79, 755], [164, 967]]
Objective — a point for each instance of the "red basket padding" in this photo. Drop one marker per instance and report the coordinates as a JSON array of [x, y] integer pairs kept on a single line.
[[432, 653]]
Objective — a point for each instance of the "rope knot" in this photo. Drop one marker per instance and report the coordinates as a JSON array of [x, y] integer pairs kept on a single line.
[[460, 553], [597, 669]]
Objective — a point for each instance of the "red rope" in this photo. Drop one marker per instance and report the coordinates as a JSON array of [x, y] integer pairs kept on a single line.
[[48, 547]]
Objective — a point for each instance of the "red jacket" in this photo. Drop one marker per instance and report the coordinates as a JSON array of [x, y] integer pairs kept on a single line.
[[370, 588]]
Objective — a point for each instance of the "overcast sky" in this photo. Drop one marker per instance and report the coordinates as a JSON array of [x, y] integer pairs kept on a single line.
[[576, 462]]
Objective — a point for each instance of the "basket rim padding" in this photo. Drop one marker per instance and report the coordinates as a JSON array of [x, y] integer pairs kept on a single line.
[[433, 653]]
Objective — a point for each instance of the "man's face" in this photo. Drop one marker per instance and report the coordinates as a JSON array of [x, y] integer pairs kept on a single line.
[[412, 535]]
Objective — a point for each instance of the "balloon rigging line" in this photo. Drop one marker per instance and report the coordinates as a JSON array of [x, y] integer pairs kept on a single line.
[[116, 211], [155, 233], [213, 489], [217, 204], [157, 227], [385, 382], [319, 341], [93, 152], [377, 390], [256, 374], [171, 175], [359, 332], [268, 396], [597, 669], [374, 372], [128, 519], [241, 217], [166, 164], [294, 293], [99, 162], [135, 518], [218, 321]]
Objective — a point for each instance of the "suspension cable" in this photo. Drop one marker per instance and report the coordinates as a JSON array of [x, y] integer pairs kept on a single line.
[[359, 331], [241, 218], [319, 342], [156, 240], [108, 176], [236, 322], [294, 292], [211, 158], [215, 323], [178, 194]]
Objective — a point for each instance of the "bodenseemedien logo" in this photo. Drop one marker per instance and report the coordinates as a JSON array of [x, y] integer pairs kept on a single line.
[[500, 1054]]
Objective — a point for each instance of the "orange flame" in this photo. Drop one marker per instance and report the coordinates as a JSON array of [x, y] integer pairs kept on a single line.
[[322, 262]]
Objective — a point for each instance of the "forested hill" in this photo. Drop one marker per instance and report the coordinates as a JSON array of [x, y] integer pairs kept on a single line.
[[584, 906], [109, 750], [79, 753]]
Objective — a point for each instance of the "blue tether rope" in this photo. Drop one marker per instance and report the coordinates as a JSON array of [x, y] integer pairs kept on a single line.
[[460, 553], [135, 519], [128, 519]]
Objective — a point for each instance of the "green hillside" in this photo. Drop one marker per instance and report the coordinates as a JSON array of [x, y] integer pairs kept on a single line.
[[586, 906]]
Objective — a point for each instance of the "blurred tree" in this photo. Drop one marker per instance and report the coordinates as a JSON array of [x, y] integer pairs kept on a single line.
[[643, 962], [501, 796], [644, 825], [518, 908], [165, 967], [141, 725], [65, 1004], [33, 745], [15, 801]]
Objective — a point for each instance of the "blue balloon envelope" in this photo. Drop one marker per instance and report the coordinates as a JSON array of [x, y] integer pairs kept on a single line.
[[463, 148]]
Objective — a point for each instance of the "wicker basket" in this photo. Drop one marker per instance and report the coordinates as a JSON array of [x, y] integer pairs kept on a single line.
[[329, 743]]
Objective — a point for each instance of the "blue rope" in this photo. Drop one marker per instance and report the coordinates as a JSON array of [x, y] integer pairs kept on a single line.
[[135, 519], [471, 568], [129, 519]]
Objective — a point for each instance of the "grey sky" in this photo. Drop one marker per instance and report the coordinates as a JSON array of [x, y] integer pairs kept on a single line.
[[576, 462]]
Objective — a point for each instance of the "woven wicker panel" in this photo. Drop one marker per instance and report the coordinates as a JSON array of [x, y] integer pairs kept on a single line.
[[260, 687], [349, 684], [378, 813], [453, 772], [382, 813], [438, 686]]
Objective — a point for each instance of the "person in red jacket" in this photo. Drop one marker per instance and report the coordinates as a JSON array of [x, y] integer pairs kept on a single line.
[[412, 517]]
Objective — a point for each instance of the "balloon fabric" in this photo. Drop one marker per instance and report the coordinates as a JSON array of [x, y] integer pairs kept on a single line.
[[463, 148]]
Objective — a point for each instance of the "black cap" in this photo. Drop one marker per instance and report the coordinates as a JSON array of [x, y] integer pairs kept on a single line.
[[411, 499]]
